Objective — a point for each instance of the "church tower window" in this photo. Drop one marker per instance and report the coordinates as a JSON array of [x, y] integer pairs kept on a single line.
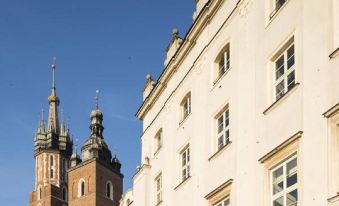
[[109, 190]]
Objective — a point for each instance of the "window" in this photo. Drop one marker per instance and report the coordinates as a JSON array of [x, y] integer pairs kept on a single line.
[[109, 190], [284, 71], [51, 167], [81, 188], [158, 141], [224, 202], [185, 107], [39, 193], [185, 163], [284, 183], [158, 189], [277, 4], [223, 130], [64, 194], [223, 62]]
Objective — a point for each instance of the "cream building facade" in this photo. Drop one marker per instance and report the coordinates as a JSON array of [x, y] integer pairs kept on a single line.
[[246, 110]]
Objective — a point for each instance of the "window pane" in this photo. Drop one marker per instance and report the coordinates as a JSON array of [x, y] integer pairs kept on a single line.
[[290, 57], [184, 159], [292, 198], [292, 177], [220, 141], [279, 67], [220, 124], [227, 121], [278, 180], [279, 202], [279, 4], [227, 202], [227, 136], [280, 89], [290, 80]]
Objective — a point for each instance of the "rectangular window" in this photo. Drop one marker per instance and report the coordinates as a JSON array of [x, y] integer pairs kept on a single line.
[[224, 202], [284, 71], [223, 130], [185, 164], [158, 189], [185, 107], [284, 183]]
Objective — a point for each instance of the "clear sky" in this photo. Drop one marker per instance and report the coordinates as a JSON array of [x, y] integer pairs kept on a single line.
[[108, 45]]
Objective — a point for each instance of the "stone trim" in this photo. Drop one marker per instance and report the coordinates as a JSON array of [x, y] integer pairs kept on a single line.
[[220, 192], [332, 111]]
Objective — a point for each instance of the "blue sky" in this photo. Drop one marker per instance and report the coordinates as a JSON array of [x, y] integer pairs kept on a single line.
[[108, 45]]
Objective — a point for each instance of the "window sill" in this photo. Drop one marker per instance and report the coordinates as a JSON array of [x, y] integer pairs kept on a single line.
[[334, 198], [182, 183], [272, 17], [216, 82], [157, 151], [281, 99], [159, 203], [219, 151], [184, 120], [334, 53]]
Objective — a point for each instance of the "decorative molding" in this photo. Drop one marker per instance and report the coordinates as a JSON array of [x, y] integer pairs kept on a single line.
[[332, 111], [219, 189], [334, 53], [280, 147]]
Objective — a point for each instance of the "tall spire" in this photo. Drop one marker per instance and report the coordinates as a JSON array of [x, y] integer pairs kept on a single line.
[[53, 121]]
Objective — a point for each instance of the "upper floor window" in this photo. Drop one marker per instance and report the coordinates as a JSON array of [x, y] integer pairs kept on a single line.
[[284, 183], [185, 107], [224, 202], [81, 188], [185, 163], [158, 141], [51, 159], [284, 70], [277, 4], [39, 193], [223, 62], [158, 189], [109, 190], [223, 130]]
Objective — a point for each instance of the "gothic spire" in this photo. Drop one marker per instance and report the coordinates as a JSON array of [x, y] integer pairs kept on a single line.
[[53, 121]]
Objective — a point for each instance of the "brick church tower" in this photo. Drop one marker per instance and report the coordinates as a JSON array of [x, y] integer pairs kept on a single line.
[[65, 179], [96, 179], [53, 149]]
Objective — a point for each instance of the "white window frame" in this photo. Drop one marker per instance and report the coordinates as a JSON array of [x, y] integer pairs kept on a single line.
[[285, 190], [225, 132], [185, 107], [225, 57], [158, 189], [185, 159], [287, 71], [275, 8], [223, 202], [110, 185]]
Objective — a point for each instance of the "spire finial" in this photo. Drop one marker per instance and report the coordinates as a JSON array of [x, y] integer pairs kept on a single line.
[[97, 99], [53, 68]]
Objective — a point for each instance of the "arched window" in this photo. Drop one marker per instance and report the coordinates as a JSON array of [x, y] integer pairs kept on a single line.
[[81, 188], [64, 194], [51, 162], [109, 190]]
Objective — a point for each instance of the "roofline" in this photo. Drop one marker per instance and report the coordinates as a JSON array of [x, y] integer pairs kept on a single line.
[[188, 42]]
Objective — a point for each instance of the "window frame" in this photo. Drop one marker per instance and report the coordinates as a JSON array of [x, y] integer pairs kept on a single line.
[[51, 167], [285, 190], [81, 188], [225, 115], [158, 140], [185, 163], [185, 111], [283, 54], [222, 202], [158, 190], [225, 57], [274, 10]]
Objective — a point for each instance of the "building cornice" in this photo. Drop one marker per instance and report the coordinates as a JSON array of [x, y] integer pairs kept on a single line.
[[204, 17]]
